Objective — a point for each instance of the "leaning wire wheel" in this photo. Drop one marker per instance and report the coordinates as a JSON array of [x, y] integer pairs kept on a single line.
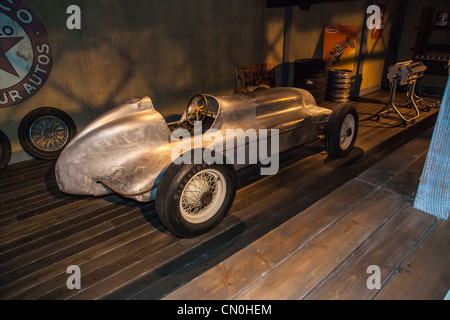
[[44, 132], [5, 150], [49, 133], [347, 131], [203, 196]]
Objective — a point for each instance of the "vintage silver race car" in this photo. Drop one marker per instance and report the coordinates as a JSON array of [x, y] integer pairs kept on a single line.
[[188, 166]]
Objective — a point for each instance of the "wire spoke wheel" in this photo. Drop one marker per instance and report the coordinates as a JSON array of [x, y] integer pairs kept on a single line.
[[192, 199], [202, 196], [44, 132], [49, 133]]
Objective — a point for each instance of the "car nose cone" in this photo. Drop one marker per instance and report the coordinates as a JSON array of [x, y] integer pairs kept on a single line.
[[71, 179]]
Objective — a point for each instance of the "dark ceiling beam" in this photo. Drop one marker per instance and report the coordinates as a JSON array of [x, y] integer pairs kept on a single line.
[[302, 4]]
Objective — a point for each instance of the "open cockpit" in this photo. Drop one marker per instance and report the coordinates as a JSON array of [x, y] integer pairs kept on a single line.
[[201, 108]]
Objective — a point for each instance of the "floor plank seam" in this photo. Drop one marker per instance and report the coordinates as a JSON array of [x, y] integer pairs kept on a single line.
[[409, 199]]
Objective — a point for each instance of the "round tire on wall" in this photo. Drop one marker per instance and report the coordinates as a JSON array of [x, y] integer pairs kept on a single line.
[[5, 150], [44, 132], [192, 199], [342, 130]]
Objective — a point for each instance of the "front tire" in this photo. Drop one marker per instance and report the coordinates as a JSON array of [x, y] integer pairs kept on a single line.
[[192, 199], [342, 131]]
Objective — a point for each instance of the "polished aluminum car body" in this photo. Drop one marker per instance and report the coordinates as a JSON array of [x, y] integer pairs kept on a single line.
[[127, 150]]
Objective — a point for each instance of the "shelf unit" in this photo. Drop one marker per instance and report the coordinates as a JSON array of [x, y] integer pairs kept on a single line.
[[426, 27], [434, 55]]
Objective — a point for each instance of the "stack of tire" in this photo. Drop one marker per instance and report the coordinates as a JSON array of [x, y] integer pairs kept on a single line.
[[309, 74], [339, 83]]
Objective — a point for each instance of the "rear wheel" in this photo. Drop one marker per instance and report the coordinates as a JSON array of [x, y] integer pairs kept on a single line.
[[342, 130], [192, 199]]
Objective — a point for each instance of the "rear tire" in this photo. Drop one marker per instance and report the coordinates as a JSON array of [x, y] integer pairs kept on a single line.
[[342, 131], [192, 199]]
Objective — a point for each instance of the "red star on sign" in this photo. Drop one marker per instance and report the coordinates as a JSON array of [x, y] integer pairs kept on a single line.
[[5, 45]]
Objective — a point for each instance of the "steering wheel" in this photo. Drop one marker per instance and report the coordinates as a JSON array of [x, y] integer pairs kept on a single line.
[[200, 110]]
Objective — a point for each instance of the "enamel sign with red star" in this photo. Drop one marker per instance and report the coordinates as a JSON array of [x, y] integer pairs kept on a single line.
[[25, 53]]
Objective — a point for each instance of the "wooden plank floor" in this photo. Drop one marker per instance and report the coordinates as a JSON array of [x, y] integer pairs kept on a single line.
[[324, 252], [125, 253]]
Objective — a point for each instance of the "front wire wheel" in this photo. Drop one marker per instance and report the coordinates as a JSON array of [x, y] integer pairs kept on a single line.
[[202, 196], [192, 199]]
